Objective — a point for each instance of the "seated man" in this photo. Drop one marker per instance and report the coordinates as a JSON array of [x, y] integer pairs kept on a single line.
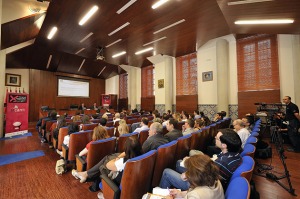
[[239, 127], [173, 133], [155, 138], [218, 117], [188, 127], [143, 124], [227, 161], [94, 107]]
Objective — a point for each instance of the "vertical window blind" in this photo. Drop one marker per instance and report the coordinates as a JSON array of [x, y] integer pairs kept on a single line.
[[258, 63], [186, 75], [148, 81], [123, 86]]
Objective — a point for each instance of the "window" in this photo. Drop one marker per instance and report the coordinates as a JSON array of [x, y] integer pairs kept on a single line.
[[186, 75], [148, 81], [258, 63], [123, 78]]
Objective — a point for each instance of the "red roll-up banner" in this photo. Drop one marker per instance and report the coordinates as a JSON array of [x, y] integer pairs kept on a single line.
[[17, 108], [106, 100]]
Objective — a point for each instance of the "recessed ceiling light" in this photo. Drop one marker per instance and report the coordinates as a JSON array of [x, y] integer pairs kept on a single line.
[[246, 2], [118, 54], [144, 50], [264, 21], [126, 6], [167, 27], [101, 71], [90, 34], [118, 29], [113, 43], [154, 41], [81, 65], [79, 50], [52, 32], [88, 15], [49, 60], [159, 3]]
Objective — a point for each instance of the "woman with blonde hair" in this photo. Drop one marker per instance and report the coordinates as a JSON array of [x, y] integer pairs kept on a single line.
[[203, 176], [123, 129], [99, 133]]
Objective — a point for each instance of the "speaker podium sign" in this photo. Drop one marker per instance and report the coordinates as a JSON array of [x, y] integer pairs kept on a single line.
[[105, 100], [17, 106]]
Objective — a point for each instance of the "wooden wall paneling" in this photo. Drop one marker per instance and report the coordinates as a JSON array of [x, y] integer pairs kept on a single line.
[[114, 101], [187, 103], [148, 103], [247, 99], [43, 91], [123, 103]]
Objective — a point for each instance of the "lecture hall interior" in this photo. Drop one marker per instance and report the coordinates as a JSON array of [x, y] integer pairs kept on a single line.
[[237, 56]]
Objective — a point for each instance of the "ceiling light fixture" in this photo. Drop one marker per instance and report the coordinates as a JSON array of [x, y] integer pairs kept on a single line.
[[52, 32], [126, 6], [90, 34], [144, 50], [154, 41], [159, 3], [264, 21], [246, 2], [118, 54], [113, 43], [79, 51], [49, 60], [118, 29], [81, 65], [101, 71], [88, 15], [167, 27]]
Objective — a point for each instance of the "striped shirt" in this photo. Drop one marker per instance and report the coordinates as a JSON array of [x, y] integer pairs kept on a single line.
[[227, 164]]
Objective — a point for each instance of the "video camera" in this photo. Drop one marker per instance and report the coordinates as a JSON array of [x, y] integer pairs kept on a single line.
[[268, 111]]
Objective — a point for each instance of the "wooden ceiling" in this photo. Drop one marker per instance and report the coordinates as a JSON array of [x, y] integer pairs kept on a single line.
[[204, 20]]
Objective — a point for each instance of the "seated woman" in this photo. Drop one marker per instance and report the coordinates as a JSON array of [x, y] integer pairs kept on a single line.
[[99, 133], [199, 124], [76, 117], [72, 128], [132, 149], [85, 119], [61, 122], [123, 129], [203, 177]]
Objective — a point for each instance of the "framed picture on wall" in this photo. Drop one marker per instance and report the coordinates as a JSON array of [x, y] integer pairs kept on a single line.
[[207, 76], [12, 80], [161, 83]]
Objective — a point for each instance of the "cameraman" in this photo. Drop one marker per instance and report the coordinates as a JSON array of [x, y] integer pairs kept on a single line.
[[293, 117], [278, 125]]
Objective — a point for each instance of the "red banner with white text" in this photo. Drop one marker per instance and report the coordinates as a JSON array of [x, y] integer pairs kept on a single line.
[[106, 100], [17, 106]]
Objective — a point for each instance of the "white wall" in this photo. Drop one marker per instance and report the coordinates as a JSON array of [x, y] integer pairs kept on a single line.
[[112, 85], [24, 79]]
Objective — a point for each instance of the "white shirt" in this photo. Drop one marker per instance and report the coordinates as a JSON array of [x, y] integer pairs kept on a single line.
[[244, 134], [120, 164], [67, 140], [142, 128]]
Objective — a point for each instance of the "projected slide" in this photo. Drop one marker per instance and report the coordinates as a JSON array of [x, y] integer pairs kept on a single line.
[[73, 88]]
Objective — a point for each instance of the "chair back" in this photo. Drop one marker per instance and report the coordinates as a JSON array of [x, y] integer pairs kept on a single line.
[[165, 159], [183, 147], [78, 141], [98, 150], [239, 188], [63, 131], [252, 140], [86, 127], [248, 150], [195, 141], [110, 124], [137, 172], [110, 131], [245, 169], [143, 135], [122, 139]]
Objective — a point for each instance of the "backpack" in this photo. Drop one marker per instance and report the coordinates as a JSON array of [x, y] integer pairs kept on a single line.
[[263, 150], [60, 167]]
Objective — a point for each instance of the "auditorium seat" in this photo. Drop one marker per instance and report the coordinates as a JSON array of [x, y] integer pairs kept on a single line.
[[110, 124], [63, 131], [183, 147], [143, 135], [78, 141], [245, 169], [136, 179], [110, 131], [248, 150], [239, 188], [97, 151], [89, 126], [122, 139], [165, 159]]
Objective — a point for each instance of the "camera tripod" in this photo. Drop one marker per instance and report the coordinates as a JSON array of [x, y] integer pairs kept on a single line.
[[276, 137]]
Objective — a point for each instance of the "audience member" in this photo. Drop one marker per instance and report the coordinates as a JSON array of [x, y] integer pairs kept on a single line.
[[218, 117], [199, 124], [155, 138], [72, 128], [239, 127], [103, 122], [173, 133], [188, 127], [123, 129], [51, 116], [143, 125], [227, 161], [76, 117], [203, 177], [99, 133], [117, 118], [196, 114]]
